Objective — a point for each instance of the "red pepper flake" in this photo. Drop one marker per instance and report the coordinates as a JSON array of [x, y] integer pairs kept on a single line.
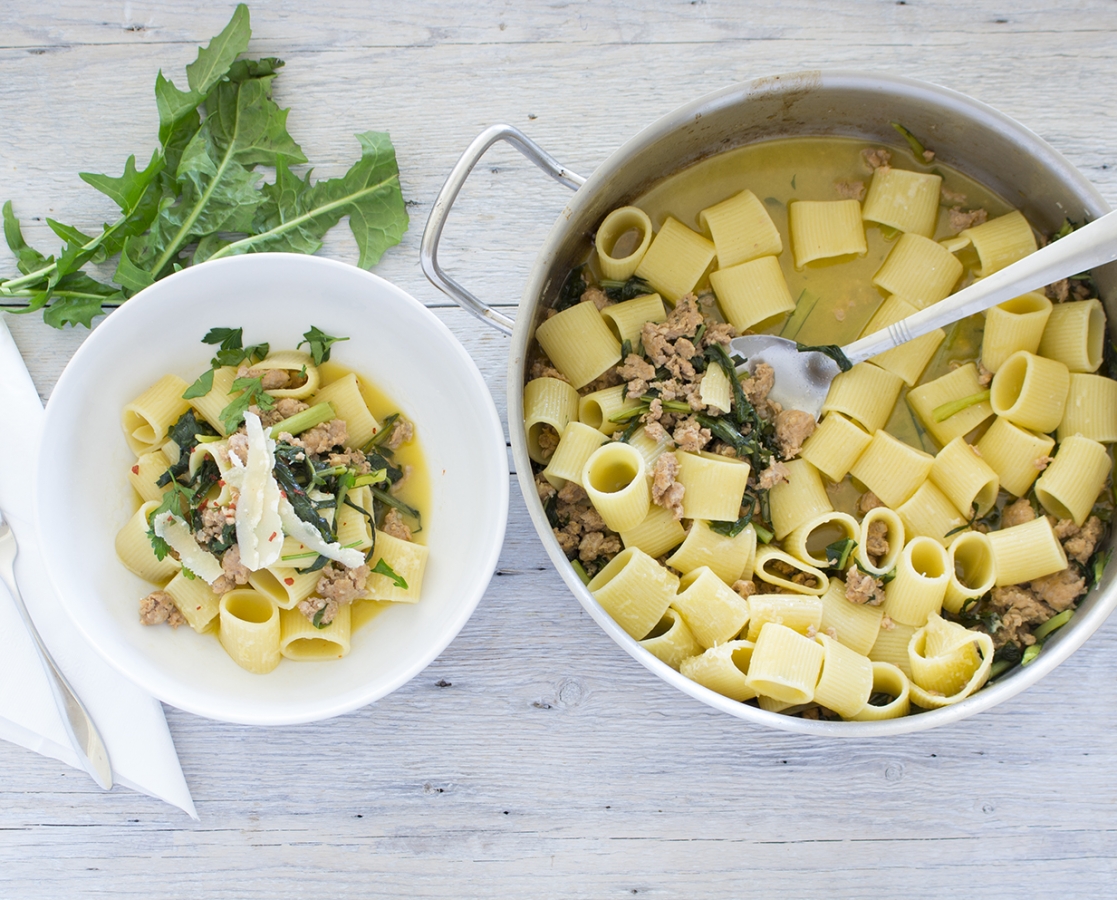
[[288, 581], [135, 470], [283, 494], [273, 534]]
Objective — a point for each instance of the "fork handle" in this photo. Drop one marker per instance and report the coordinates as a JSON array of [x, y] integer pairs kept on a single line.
[[1092, 245], [79, 726]]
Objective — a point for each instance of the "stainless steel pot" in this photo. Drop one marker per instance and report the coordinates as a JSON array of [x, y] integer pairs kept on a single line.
[[967, 135]]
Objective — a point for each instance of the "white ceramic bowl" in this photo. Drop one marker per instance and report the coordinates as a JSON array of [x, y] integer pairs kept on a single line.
[[84, 497]]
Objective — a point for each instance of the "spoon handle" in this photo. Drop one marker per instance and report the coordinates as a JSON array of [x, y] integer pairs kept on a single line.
[[1092, 245]]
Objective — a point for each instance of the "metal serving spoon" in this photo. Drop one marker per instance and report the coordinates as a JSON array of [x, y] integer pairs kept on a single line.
[[79, 724], [802, 379]]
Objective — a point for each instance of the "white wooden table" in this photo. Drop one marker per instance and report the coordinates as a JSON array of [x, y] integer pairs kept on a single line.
[[534, 758]]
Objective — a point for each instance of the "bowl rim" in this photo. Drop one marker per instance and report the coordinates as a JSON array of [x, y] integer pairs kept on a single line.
[[173, 691], [1057, 649]]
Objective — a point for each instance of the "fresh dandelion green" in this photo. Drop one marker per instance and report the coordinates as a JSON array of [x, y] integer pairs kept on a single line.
[[203, 196]]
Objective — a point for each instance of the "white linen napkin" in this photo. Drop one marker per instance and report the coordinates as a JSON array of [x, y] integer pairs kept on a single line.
[[131, 722]]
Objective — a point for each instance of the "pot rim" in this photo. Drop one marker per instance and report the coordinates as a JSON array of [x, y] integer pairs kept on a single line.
[[1057, 649]]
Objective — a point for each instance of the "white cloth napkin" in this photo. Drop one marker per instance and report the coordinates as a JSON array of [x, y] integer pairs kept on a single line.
[[131, 722]]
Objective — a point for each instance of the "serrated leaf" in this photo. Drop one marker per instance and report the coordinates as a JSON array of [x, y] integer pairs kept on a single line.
[[244, 120], [127, 190], [38, 301], [369, 193], [178, 111], [243, 69], [207, 246], [28, 259], [68, 232], [80, 282], [129, 275], [216, 57], [72, 311]]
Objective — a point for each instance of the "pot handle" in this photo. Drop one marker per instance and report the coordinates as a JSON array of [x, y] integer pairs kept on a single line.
[[428, 251]]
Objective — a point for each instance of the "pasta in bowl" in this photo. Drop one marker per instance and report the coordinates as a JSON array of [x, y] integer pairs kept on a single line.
[[91, 476]]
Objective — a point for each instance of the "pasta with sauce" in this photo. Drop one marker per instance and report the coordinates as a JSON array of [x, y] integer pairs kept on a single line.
[[278, 502], [925, 536]]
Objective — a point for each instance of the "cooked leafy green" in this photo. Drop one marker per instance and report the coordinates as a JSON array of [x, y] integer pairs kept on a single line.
[[319, 343], [253, 393], [202, 196], [382, 568]]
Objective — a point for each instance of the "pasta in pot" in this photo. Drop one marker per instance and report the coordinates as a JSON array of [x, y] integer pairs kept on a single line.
[[281, 504], [926, 536]]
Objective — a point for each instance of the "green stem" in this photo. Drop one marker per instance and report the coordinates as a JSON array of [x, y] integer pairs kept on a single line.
[[244, 243], [944, 412], [301, 421], [184, 229], [39, 274]]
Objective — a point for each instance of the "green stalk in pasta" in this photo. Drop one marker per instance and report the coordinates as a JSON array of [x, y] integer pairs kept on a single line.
[[301, 421], [944, 412]]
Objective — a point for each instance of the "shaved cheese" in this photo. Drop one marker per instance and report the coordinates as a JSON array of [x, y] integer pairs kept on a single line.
[[259, 527], [350, 557], [181, 539]]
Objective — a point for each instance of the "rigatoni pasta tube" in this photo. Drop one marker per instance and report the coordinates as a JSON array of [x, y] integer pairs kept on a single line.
[[891, 646], [772, 563], [894, 535], [1016, 324], [134, 548], [635, 590], [626, 320], [579, 343], [866, 393], [723, 669], [800, 498], [576, 445], [1015, 454], [670, 641], [650, 448], [919, 270], [196, 601], [1091, 408], [1075, 335], [854, 624], [598, 408], [948, 663], [822, 229], [300, 368], [798, 612], [621, 242], [731, 558], [147, 419], [715, 389], [300, 639], [1030, 391], [657, 534], [973, 572], [1026, 552], [547, 402], [910, 359], [846, 680], [249, 630], [834, 446], [892, 469], [145, 472], [785, 665], [741, 229], [407, 559], [892, 682], [1069, 487], [713, 613], [344, 395], [929, 513], [920, 583], [713, 485], [284, 585], [616, 479], [753, 293], [965, 478], [1001, 241], [809, 541], [210, 404], [961, 384], [675, 262], [904, 200]]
